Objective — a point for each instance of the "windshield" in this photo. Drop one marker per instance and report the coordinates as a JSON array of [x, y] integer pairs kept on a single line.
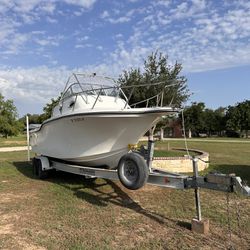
[[90, 85]]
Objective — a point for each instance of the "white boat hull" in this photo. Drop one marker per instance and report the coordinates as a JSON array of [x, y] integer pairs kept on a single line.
[[92, 139]]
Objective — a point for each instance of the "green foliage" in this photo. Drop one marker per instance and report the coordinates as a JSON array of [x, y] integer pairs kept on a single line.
[[238, 117], [48, 109], [156, 69], [219, 120], [214, 121], [33, 119], [200, 119], [9, 125], [194, 118], [235, 120]]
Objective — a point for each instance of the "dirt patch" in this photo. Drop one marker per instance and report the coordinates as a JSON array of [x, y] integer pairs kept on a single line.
[[6, 229], [12, 149], [27, 245], [9, 197], [12, 215]]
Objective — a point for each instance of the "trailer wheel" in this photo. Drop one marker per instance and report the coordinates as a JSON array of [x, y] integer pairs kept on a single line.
[[38, 170], [34, 166], [133, 171]]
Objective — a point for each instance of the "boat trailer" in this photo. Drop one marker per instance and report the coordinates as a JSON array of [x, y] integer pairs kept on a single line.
[[215, 181]]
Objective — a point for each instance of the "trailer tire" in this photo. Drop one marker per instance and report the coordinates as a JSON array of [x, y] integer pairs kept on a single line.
[[133, 171], [34, 167], [38, 170]]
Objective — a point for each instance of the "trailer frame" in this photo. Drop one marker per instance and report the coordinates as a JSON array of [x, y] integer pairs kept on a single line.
[[214, 181]]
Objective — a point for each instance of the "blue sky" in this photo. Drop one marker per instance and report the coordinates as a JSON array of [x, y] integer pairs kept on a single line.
[[43, 42]]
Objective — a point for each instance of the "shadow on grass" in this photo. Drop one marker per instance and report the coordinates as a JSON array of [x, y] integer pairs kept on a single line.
[[25, 168], [99, 194]]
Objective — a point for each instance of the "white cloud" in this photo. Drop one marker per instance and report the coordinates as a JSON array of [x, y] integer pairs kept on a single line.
[[51, 20], [48, 7], [83, 3], [77, 13], [5, 5], [38, 84], [25, 6], [185, 9], [79, 46], [195, 33], [164, 3], [16, 44], [122, 19], [119, 36], [104, 14], [84, 38], [15, 14], [38, 32], [43, 5], [116, 16], [49, 40], [82, 46]]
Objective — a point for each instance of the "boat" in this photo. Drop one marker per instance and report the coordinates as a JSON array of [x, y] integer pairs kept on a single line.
[[94, 123]]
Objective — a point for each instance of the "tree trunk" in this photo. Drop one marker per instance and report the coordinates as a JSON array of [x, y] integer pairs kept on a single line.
[[162, 134], [189, 133]]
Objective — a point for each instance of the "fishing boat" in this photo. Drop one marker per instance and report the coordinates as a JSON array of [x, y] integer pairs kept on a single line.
[[94, 124]]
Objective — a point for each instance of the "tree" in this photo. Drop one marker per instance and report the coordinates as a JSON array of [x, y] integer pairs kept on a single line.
[[33, 119], [244, 112], [194, 118], [238, 118], [9, 125], [220, 120], [209, 122], [156, 69], [48, 109]]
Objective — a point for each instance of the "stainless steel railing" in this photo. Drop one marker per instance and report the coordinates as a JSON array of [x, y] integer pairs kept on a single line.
[[98, 90]]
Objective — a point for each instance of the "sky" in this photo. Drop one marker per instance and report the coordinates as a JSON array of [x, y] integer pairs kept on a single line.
[[43, 42]]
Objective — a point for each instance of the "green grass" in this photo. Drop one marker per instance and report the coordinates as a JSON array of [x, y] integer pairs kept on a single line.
[[66, 212], [221, 138], [13, 141], [170, 153]]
